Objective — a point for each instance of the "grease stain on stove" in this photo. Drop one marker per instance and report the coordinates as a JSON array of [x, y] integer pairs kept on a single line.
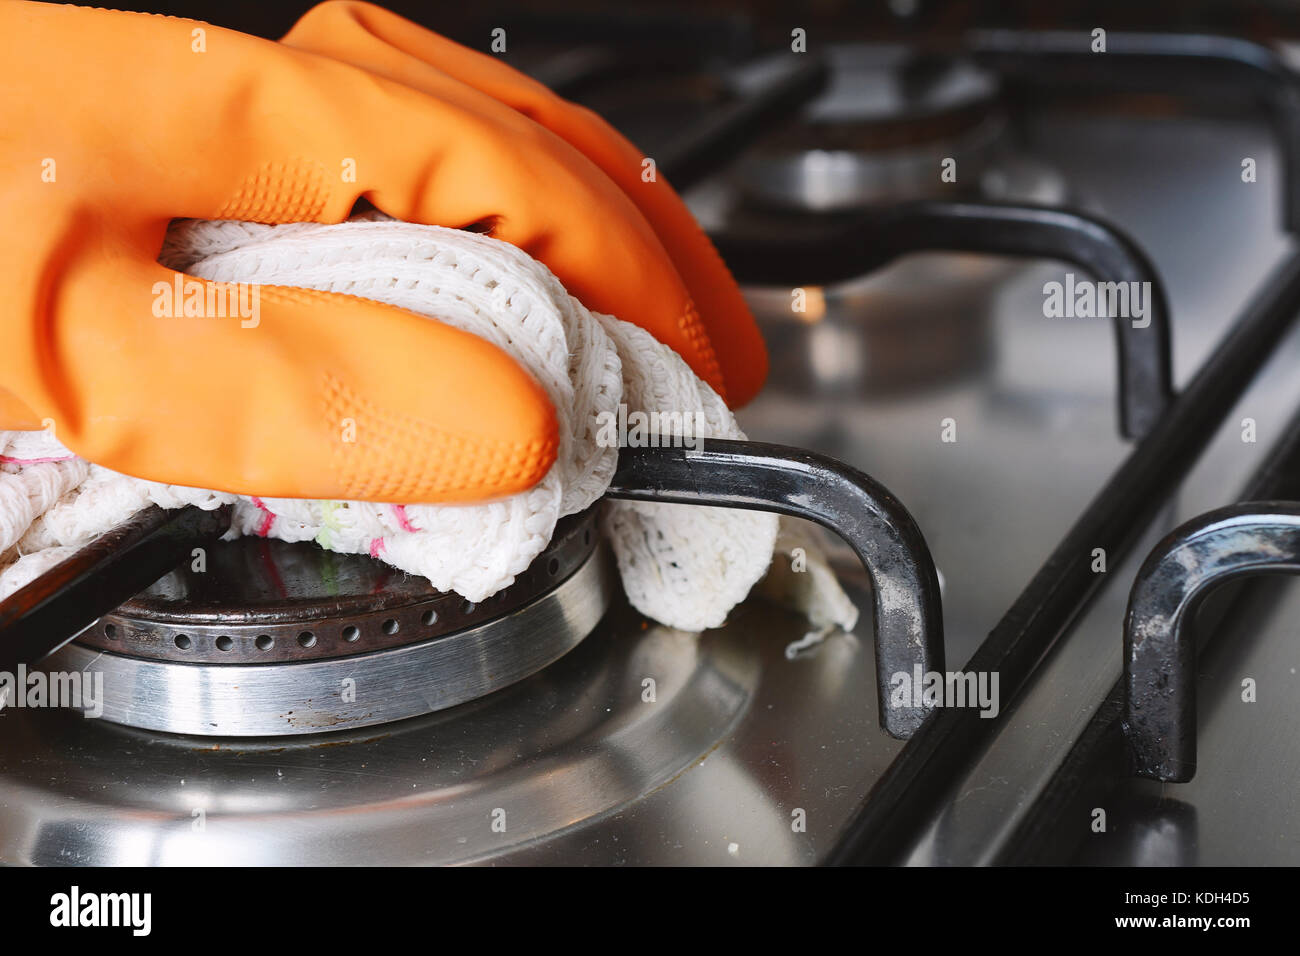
[[331, 742], [324, 721]]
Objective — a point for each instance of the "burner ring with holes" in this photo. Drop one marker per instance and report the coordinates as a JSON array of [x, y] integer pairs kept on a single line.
[[383, 645], [262, 601]]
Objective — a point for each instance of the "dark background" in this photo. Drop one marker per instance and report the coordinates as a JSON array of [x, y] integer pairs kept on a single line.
[[769, 23]]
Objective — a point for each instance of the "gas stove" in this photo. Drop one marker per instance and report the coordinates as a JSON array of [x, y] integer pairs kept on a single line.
[[1044, 502]]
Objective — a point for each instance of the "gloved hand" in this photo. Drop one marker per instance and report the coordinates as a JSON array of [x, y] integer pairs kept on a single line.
[[387, 45], [115, 123]]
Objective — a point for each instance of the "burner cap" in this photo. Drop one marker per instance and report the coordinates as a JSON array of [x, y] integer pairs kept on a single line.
[[879, 131], [878, 85]]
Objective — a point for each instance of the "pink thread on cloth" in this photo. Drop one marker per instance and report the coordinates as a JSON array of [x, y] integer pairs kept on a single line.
[[403, 521], [268, 518]]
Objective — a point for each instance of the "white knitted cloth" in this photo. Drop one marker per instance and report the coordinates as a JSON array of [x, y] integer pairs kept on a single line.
[[684, 566]]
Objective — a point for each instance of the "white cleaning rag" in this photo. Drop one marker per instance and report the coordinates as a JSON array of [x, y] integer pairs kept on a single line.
[[682, 565]]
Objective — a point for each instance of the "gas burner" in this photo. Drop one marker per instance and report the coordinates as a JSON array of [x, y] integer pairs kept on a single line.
[[917, 323], [562, 747], [269, 638], [874, 140], [886, 122]]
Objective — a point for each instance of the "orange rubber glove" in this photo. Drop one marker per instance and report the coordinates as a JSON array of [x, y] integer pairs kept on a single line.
[[115, 123], [387, 45]]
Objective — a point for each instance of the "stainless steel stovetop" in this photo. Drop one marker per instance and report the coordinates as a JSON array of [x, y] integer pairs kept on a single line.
[[1037, 440], [753, 750]]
